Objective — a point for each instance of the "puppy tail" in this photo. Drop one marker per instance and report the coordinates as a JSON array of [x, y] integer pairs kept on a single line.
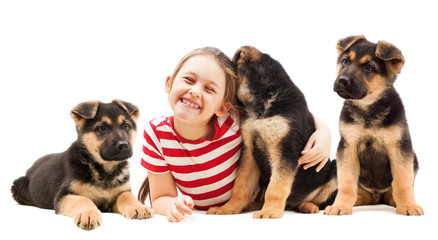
[[20, 191]]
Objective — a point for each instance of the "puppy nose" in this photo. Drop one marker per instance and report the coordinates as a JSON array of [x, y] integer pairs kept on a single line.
[[343, 81], [122, 145]]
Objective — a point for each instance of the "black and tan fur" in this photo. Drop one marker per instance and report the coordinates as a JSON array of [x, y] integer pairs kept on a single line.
[[376, 162], [92, 175], [275, 126]]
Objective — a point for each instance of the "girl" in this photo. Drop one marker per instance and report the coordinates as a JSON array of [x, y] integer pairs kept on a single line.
[[197, 148]]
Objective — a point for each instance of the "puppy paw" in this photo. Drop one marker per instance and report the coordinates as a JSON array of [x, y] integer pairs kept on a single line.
[[88, 220], [338, 210], [267, 214], [308, 207], [138, 212], [411, 210], [224, 210]]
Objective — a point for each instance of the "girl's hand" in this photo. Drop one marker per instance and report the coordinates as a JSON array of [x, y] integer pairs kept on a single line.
[[180, 206], [317, 149]]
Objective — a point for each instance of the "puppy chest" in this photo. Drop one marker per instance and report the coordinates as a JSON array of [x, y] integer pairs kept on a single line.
[[102, 197], [375, 168]]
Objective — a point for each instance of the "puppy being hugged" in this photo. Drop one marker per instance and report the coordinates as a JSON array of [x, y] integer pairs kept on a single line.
[[275, 126], [376, 162], [92, 175]]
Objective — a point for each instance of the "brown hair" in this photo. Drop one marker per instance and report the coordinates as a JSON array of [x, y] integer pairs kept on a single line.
[[230, 90]]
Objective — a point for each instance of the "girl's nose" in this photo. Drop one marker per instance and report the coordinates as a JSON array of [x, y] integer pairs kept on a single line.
[[195, 91]]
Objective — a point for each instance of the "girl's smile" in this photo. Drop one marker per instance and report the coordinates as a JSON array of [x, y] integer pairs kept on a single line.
[[190, 103]]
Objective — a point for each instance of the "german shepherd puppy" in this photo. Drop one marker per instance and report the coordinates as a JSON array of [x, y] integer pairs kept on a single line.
[[275, 125], [376, 162], [92, 175]]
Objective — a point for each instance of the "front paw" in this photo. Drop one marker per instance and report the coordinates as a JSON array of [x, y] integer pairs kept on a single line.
[[308, 207], [266, 214], [410, 210], [138, 212], [338, 210], [88, 220], [224, 210]]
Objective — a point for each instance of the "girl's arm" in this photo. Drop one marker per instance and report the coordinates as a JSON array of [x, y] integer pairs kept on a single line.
[[165, 199], [317, 149]]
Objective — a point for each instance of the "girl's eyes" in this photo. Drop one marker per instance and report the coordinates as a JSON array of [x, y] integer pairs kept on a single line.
[[209, 89], [192, 81]]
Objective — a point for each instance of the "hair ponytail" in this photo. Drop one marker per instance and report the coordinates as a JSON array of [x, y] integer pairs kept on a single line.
[[144, 191]]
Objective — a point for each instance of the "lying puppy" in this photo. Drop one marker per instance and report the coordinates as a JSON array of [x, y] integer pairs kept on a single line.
[[376, 162], [275, 125], [92, 174]]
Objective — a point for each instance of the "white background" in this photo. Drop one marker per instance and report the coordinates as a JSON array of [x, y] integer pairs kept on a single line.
[[56, 54]]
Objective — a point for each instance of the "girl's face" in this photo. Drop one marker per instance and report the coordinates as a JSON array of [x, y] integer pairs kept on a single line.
[[197, 92]]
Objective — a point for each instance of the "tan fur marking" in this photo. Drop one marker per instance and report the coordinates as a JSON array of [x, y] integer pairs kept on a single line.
[[94, 145], [243, 93], [128, 206], [321, 194], [96, 193], [363, 197], [272, 130], [384, 136], [120, 119], [308, 207], [107, 120], [278, 191], [364, 59], [338, 69], [376, 86], [403, 180], [80, 122], [83, 211], [348, 173], [352, 56], [388, 198]]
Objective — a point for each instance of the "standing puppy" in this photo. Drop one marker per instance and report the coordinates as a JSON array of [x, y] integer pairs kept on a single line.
[[376, 162], [92, 175]]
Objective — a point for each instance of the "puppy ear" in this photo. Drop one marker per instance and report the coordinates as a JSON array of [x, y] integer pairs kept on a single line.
[[391, 55], [345, 43], [246, 54], [85, 110], [130, 108]]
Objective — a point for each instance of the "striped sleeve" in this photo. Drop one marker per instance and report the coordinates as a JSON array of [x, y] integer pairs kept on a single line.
[[153, 159]]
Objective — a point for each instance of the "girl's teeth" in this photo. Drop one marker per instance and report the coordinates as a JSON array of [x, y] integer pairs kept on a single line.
[[190, 104]]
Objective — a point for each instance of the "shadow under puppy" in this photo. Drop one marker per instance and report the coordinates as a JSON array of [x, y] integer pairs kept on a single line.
[[92, 175], [275, 126], [376, 162]]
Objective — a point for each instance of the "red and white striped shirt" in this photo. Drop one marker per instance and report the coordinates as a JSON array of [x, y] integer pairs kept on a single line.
[[205, 170]]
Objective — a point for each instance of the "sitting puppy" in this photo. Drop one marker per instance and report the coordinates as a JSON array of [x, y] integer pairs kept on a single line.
[[376, 162], [92, 174], [275, 125]]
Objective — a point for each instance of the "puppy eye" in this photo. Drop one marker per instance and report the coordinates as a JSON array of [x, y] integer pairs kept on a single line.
[[126, 126], [369, 68], [101, 128], [345, 62]]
